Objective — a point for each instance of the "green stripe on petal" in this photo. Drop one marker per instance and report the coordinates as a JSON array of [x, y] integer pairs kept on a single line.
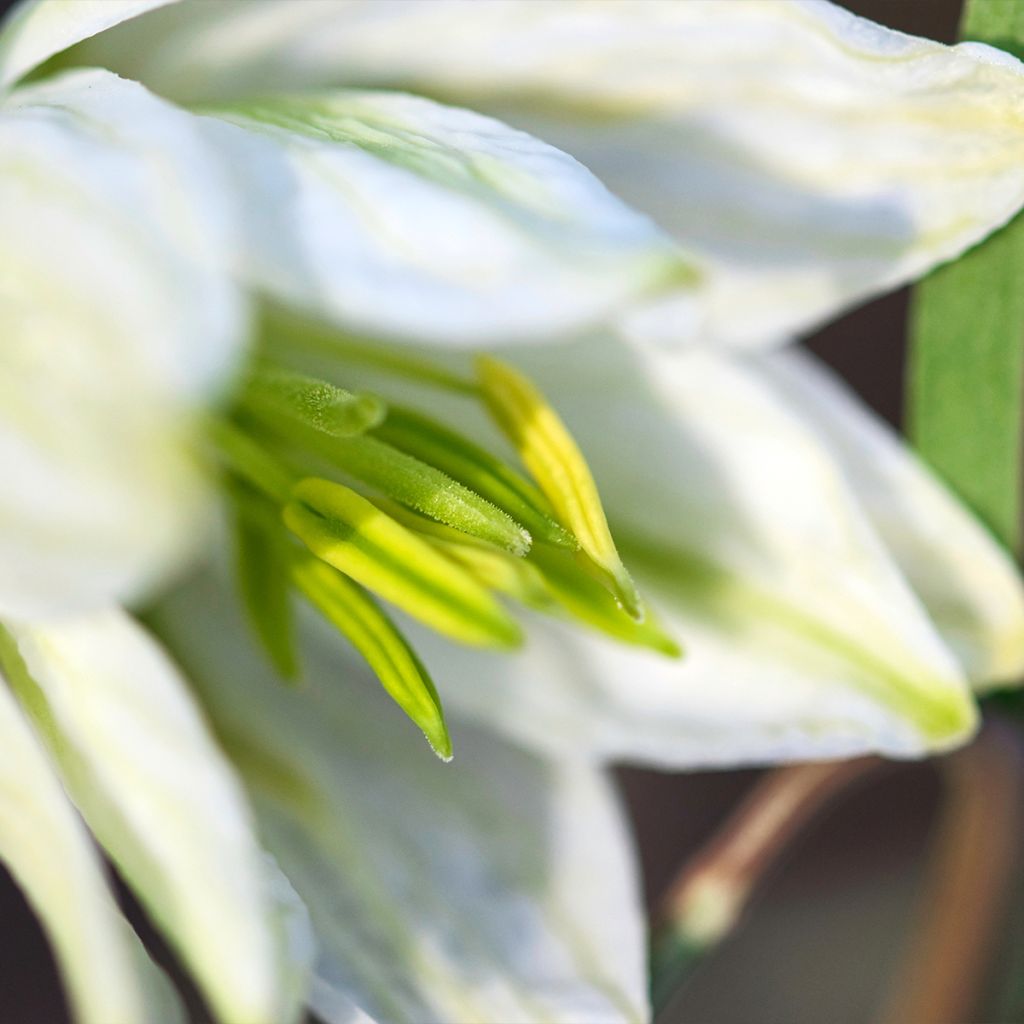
[[345, 530], [970, 587], [136, 757]]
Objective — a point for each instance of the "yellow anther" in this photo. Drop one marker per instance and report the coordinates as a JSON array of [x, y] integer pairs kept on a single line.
[[555, 461]]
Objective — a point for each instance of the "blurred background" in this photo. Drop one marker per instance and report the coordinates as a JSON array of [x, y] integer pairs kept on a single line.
[[833, 923]]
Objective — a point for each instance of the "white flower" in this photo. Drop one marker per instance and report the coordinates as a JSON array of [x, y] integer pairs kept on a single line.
[[831, 596]]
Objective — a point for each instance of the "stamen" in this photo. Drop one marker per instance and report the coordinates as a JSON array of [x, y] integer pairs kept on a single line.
[[345, 530], [263, 574], [555, 461], [311, 402], [476, 468], [413, 483], [358, 617]]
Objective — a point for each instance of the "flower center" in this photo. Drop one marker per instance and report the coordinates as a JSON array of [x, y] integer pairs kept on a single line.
[[340, 495]]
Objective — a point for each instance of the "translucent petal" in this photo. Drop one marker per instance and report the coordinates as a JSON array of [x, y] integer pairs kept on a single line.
[[969, 585], [803, 637], [43, 844], [807, 157], [155, 789], [395, 215], [498, 888], [37, 29]]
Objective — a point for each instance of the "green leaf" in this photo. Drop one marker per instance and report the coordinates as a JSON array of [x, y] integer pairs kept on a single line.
[[476, 468], [967, 347], [262, 571], [345, 530], [355, 614]]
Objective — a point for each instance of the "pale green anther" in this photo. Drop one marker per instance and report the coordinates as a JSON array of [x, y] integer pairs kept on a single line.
[[358, 617], [345, 530], [476, 468], [317, 404], [555, 461], [590, 602], [413, 483], [263, 573]]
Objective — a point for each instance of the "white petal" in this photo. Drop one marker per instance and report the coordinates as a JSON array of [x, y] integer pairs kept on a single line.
[[161, 798], [37, 29], [498, 888], [807, 156], [118, 318], [970, 586], [803, 638], [393, 214], [43, 844]]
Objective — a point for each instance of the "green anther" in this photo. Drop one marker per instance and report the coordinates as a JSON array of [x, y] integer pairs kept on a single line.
[[345, 530], [248, 460], [263, 573], [476, 468], [361, 620], [555, 461], [589, 602], [411, 482], [314, 403]]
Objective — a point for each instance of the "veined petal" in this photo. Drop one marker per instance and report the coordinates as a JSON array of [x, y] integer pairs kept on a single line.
[[806, 156], [498, 888], [37, 29], [118, 316], [108, 975], [969, 585], [802, 636], [140, 764], [396, 215]]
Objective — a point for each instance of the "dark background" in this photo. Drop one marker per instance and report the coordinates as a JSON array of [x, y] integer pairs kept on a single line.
[[820, 940]]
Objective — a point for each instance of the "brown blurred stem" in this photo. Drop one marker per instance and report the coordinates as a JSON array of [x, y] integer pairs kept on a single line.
[[972, 869], [705, 902], [978, 838]]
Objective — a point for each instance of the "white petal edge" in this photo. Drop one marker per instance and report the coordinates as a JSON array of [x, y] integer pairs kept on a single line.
[[139, 762], [36, 30], [120, 321], [808, 157], [399, 216], [969, 584], [108, 976], [498, 888]]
